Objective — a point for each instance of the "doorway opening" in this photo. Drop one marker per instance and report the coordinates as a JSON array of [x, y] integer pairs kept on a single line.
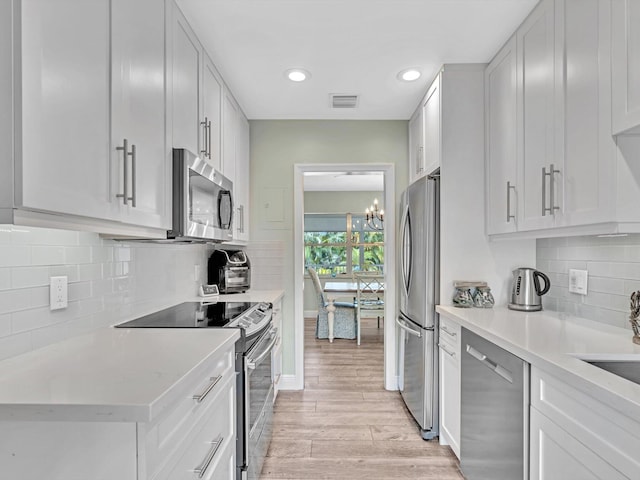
[[330, 203]]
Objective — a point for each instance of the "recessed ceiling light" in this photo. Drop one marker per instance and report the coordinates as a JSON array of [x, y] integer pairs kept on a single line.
[[409, 75], [297, 74]]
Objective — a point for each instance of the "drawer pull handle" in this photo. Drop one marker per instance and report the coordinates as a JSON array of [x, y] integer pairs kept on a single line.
[[202, 468], [445, 350], [214, 380], [447, 331]]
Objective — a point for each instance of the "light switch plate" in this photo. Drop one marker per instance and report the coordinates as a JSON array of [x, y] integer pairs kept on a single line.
[[578, 281], [58, 293]]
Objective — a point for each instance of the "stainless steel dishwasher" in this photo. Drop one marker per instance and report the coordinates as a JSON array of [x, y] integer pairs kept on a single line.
[[494, 411]]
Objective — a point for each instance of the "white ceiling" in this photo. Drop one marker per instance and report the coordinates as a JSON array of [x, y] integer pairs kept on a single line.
[[344, 182], [349, 46]]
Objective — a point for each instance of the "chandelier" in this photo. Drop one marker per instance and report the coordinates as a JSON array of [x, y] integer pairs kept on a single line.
[[374, 217]]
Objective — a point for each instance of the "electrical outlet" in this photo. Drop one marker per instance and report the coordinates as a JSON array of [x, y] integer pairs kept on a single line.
[[578, 281], [58, 293]]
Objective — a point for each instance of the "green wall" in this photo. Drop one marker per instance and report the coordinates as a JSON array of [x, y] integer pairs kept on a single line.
[[277, 145]]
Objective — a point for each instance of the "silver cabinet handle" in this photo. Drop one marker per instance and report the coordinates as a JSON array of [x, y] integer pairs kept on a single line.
[[487, 362], [407, 329], [204, 151], [208, 138], [447, 331], [445, 350], [125, 156], [134, 196], [241, 218], [420, 156], [509, 216], [200, 397], [552, 206], [552, 192], [202, 468]]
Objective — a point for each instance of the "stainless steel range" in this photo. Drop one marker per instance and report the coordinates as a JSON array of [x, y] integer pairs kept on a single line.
[[253, 368]]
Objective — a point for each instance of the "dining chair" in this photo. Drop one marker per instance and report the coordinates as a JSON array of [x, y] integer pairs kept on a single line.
[[370, 297], [344, 317]]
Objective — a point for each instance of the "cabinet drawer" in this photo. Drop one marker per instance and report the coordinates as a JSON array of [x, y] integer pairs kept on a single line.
[[208, 381], [596, 425], [210, 448], [450, 336]]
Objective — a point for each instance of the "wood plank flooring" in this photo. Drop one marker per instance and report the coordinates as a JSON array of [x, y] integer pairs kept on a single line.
[[345, 425]]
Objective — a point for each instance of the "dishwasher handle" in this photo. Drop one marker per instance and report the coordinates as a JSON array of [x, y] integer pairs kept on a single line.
[[486, 361]]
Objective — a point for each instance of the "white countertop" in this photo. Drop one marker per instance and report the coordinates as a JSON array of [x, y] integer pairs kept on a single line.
[[551, 341], [126, 375]]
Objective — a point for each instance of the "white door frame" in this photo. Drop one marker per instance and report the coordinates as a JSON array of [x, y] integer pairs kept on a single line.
[[390, 377]]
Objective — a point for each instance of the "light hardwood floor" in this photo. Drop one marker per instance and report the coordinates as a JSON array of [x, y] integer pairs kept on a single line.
[[345, 425]]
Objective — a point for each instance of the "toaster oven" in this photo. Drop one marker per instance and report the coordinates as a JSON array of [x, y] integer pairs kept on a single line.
[[230, 270]]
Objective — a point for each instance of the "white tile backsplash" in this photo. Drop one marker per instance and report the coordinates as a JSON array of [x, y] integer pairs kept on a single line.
[[613, 264], [106, 279]]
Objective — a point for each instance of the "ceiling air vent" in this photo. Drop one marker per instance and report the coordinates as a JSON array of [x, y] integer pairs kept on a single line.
[[344, 101]]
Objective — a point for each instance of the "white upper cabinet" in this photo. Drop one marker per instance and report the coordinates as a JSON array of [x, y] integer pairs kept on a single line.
[[500, 143], [566, 158], [77, 103], [432, 120], [626, 66], [241, 183], [62, 162], [186, 73], [138, 114], [211, 123], [583, 120], [230, 120], [539, 176], [416, 145]]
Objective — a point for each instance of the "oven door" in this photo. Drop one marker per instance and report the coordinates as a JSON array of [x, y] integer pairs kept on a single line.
[[259, 404]]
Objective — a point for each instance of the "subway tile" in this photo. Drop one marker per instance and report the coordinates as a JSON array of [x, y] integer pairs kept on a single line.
[[14, 255], [76, 255], [102, 253], [27, 320], [558, 266], [5, 324], [102, 287], [47, 255], [89, 272], [6, 301], [22, 277], [5, 278], [29, 298], [79, 291], [604, 300], [69, 271], [43, 236], [122, 254], [606, 285], [89, 238], [5, 234]]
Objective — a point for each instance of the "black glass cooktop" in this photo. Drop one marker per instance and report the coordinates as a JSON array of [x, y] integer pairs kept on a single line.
[[192, 315]]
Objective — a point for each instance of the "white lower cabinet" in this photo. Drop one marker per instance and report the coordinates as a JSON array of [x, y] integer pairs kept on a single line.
[[449, 344], [276, 356], [574, 436], [194, 433]]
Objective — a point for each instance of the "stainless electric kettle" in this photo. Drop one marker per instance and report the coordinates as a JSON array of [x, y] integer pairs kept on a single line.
[[525, 290]]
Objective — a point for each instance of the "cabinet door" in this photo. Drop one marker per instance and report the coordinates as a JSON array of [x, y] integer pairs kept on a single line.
[[583, 135], [557, 455], [431, 122], [450, 395], [138, 112], [63, 164], [501, 141], [230, 114], [211, 113], [536, 120], [186, 64], [416, 146], [241, 184], [626, 66]]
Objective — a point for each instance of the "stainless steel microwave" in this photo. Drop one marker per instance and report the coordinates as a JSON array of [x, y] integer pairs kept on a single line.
[[202, 200]]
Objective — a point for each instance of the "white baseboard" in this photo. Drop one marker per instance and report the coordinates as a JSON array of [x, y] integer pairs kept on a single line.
[[290, 382], [310, 313]]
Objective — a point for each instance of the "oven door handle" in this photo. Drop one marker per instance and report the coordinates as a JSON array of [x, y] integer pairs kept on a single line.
[[252, 363]]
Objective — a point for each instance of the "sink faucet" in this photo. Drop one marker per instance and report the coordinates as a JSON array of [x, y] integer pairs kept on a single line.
[[633, 317]]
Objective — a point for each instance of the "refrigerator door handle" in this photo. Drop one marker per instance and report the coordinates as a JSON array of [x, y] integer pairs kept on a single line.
[[407, 329], [406, 250]]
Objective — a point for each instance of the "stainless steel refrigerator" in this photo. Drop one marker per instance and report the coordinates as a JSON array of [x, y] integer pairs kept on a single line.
[[419, 293]]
